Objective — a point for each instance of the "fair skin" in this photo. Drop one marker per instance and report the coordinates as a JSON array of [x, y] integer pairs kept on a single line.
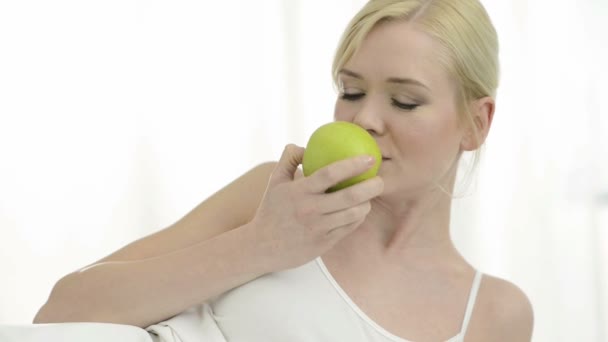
[[385, 240], [401, 266]]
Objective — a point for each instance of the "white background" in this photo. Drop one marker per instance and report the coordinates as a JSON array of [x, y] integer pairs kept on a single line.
[[118, 117]]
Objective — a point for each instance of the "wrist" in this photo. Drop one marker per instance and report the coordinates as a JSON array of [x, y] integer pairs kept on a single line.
[[256, 252]]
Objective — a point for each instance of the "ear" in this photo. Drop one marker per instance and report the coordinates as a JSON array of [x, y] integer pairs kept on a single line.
[[483, 112]]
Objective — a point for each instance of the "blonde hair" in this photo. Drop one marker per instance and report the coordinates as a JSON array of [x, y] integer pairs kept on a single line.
[[463, 29]]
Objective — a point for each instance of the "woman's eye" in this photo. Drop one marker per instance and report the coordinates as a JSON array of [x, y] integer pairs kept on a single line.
[[351, 97], [405, 106]]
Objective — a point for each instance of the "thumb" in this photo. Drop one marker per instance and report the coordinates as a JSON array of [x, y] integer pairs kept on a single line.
[[288, 164]]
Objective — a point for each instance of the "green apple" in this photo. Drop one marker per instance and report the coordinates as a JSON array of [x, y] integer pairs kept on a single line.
[[337, 141]]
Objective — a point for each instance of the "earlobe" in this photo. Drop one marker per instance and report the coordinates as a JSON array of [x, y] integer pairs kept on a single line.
[[482, 111]]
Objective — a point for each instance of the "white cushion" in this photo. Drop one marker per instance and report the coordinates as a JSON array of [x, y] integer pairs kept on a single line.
[[73, 332]]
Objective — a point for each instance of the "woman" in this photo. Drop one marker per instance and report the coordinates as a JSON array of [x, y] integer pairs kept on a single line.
[[279, 259]]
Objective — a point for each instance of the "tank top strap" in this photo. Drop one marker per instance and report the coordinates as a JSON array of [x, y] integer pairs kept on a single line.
[[471, 302]]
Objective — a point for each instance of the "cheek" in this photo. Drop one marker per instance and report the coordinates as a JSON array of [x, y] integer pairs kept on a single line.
[[342, 111], [428, 143], [413, 140], [444, 147]]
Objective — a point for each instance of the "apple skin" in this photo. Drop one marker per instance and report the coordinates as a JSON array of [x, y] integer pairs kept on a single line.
[[336, 141]]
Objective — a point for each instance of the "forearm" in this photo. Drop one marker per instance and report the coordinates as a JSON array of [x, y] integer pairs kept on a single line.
[[148, 291]]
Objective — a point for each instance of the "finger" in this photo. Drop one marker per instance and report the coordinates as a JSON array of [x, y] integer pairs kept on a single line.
[[337, 172], [351, 196], [339, 233], [287, 165], [345, 217]]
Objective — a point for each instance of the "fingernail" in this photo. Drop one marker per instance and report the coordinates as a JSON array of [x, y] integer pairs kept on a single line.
[[370, 160]]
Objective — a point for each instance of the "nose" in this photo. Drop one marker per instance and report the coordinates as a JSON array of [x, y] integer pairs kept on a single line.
[[369, 117]]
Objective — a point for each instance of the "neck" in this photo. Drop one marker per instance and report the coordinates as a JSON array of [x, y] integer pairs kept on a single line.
[[411, 230]]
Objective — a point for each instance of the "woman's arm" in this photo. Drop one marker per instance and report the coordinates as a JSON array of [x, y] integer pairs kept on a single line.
[[143, 292], [229, 208], [162, 274], [154, 279]]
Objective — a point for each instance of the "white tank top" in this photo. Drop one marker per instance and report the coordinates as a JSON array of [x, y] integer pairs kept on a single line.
[[301, 305]]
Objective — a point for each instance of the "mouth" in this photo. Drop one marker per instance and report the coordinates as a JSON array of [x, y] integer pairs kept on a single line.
[[385, 158]]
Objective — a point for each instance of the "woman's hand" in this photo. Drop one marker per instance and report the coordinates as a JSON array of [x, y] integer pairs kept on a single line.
[[297, 221]]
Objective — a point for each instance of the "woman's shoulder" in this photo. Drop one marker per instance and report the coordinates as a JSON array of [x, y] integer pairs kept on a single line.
[[505, 311]]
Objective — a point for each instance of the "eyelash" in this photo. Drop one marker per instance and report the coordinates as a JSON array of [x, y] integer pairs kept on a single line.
[[400, 105]]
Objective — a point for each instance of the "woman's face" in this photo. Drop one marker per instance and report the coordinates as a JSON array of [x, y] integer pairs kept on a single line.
[[395, 88]]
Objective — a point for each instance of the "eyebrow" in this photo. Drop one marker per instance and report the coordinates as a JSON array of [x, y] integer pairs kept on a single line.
[[397, 80]]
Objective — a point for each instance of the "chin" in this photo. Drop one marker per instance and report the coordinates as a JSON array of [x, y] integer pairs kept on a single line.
[[395, 187]]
